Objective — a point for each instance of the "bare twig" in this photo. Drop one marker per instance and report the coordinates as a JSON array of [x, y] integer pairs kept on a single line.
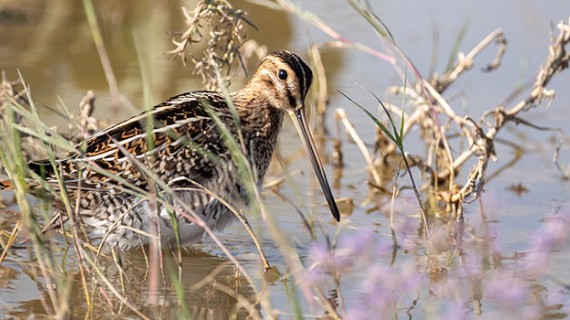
[[222, 29], [465, 62], [556, 61]]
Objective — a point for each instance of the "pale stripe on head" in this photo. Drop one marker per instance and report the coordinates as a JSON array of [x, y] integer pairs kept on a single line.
[[299, 67]]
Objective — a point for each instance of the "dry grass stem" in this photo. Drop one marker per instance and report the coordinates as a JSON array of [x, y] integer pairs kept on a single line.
[[340, 114]]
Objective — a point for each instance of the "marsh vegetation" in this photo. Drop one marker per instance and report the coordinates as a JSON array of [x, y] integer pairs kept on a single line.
[[447, 149]]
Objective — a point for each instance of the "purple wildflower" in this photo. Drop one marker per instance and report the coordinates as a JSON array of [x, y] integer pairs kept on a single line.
[[319, 264], [456, 310], [353, 249], [507, 289], [552, 235], [407, 233], [471, 263]]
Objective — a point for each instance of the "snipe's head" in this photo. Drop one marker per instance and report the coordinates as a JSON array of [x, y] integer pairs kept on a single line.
[[284, 79]]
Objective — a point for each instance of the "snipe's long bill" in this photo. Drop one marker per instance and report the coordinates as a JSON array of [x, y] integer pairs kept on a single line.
[[301, 125], [188, 154]]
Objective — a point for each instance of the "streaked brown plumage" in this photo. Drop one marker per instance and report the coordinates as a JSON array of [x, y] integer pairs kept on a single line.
[[187, 152]]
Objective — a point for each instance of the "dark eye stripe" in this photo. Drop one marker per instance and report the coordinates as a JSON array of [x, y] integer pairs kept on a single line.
[[300, 68], [292, 102]]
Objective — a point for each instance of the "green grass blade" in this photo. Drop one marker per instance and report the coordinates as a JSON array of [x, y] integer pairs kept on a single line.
[[371, 116], [378, 25]]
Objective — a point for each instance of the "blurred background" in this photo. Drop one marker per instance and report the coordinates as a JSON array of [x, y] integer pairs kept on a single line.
[[50, 45]]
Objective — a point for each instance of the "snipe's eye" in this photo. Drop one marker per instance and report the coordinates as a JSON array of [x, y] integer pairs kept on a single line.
[[282, 74]]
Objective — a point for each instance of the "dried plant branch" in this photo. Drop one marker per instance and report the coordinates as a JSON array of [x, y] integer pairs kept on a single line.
[[556, 61], [222, 29], [465, 62], [428, 101]]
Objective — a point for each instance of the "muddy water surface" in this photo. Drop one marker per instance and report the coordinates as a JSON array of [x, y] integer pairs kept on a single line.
[[50, 44]]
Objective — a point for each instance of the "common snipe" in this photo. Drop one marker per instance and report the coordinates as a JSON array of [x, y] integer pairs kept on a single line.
[[188, 152]]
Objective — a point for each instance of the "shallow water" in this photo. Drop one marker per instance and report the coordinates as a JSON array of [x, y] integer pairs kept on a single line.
[[50, 44]]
